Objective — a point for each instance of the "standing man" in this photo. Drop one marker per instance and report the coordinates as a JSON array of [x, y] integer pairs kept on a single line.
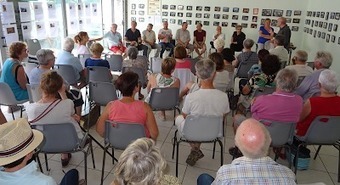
[[165, 36], [133, 38], [149, 40], [284, 31], [183, 38], [199, 40]]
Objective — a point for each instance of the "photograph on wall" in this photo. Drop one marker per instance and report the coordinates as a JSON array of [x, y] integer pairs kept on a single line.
[[133, 6], [245, 10], [323, 35], [172, 7], [164, 7], [277, 13], [255, 11], [325, 24], [206, 16], [332, 15], [225, 16], [254, 19], [309, 13], [224, 24], [217, 9], [225, 9], [180, 7], [189, 22], [316, 23], [198, 15], [328, 36], [245, 18], [295, 28], [253, 26], [88, 9], [188, 14], [10, 33], [236, 10], [154, 7], [206, 23], [307, 21], [41, 29], [274, 22], [296, 21], [288, 20], [94, 9], [7, 11], [297, 12], [189, 8], [179, 22], [53, 27], [319, 34], [25, 11], [267, 12], [326, 16], [199, 8], [312, 24], [163, 13], [289, 13], [335, 27], [80, 10], [234, 24], [244, 25], [179, 14], [207, 8], [140, 12], [217, 16], [330, 27], [339, 40], [310, 31], [262, 21], [216, 23], [133, 19], [26, 30], [172, 21], [39, 12], [314, 34], [196, 22], [333, 38], [52, 11], [141, 19], [317, 14], [337, 16], [234, 17], [314, 14], [141, 6], [320, 24], [172, 14], [322, 15], [163, 20]]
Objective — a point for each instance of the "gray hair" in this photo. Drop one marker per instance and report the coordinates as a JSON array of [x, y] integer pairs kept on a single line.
[[44, 56], [301, 55], [132, 52], [140, 163], [205, 69], [248, 43], [219, 43], [286, 80], [68, 44], [325, 58], [329, 80]]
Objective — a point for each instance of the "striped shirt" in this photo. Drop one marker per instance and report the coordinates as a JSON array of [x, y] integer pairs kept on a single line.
[[245, 171]]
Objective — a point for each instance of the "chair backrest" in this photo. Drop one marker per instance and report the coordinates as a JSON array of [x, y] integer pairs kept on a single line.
[[115, 61], [184, 76], [58, 138], [98, 74], [264, 91], [120, 135], [311, 64], [139, 71], [323, 130], [33, 46], [6, 95], [156, 64], [243, 68], [283, 64], [34, 93], [164, 98], [202, 128], [67, 72], [28, 67], [280, 132], [82, 58], [102, 92]]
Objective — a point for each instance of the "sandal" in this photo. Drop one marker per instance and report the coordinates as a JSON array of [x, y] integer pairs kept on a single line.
[[64, 162], [193, 157]]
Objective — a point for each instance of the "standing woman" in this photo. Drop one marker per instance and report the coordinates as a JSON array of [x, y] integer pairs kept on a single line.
[[13, 73], [81, 39], [266, 33], [237, 39]]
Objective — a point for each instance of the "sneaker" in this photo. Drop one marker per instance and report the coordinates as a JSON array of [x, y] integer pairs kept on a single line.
[[193, 157]]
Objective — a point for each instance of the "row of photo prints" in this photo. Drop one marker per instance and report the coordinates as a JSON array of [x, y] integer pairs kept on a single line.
[[323, 35], [324, 15], [325, 25]]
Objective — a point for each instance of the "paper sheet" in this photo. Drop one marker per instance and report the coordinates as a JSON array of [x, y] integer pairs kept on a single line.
[[7, 11], [71, 7], [10, 33], [26, 30], [25, 11], [38, 11], [40, 30], [80, 10], [52, 11], [53, 29]]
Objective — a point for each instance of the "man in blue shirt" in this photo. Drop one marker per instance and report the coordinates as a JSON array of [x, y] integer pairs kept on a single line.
[[134, 38]]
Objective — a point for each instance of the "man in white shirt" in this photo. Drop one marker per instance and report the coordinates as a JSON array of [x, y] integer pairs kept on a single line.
[[183, 38], [149, 40], [299, 61], [165, 36], [217, 35], [279, 50]]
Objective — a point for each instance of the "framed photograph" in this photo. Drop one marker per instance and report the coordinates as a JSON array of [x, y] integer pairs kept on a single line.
[[244, 25], [339, 40], [245, 10], [234, 24], [133, 6], [206, 23], [323, 35], [317, 14], [254, 19], [319, 34], [330, 27], [277, 13], [140, 12], [309, 13], [196, 22], [163, 20], [289, 13], [199, 8], [217, 16], [164, 13], [312, 23], [296, 21], [225, 9], [310, 31], [337, 16], [236, 10], [172, 14], [217, 9], [295, 28], [172, 21], [141, 19], [179, 22], [328, 36], [189, 8], [180, 7], [141, 6], [316, 23], [165, 7], [215, 23], [253, 26], [234, 17], [314, 34], [320, 24], [188, 14], [274, 22], [206, 15], [314, 14], [179, 14], [262, 21], [307, 21], [322, 15], [207, 9], [297, 12], [288, 20], [245, 18], [198, 15], [335, 27], [225, 16], [172, 7], [133, 12], [255, 11], [267, 12], [325, 24], [224, 24], [133, 18], [326, 16], [333, 38], [189, 22], [332, 15]]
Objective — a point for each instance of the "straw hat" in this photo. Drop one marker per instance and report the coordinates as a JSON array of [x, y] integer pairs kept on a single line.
[[17, 139]]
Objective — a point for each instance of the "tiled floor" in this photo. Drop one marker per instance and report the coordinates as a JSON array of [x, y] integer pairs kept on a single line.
[[323, 169]]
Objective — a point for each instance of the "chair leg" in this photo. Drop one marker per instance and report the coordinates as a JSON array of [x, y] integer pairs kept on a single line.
[[174, 144], [39, 162], [213, 156], [46, 162], [113, 155], [296, 159], [174, 116], [221, 145], [339, 165], [177, 152], [21, 107], [103, 166], [85, 165], [92, 154], [12, 112], [317, 152]]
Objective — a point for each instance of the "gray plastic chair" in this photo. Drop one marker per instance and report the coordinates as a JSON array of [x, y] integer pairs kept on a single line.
[[98, 74], [28, 67], [34, 93], [98, 88], [243, 68], [7, 98], [202, 129], [115, 61], [156, 64], [311, 64], [264, 91], [324, 130], [63, 138], [119, 136], [140, 72], [162, 99], [82, 58], [67, 72], [33, 46]]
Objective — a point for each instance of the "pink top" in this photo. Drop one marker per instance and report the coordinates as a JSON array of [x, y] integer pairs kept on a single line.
[[279, 106], [184, 64], [133, 112]]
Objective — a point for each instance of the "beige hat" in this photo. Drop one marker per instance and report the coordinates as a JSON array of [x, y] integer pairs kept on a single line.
[[17, 139]]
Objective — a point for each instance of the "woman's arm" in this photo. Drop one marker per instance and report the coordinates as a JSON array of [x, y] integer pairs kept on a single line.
[[151, 122], [100, 125], [176, 83], [305, 110], [21, 77], [151, 83]]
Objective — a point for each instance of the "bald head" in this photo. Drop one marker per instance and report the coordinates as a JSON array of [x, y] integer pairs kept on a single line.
[[281, 21], [253, 139]]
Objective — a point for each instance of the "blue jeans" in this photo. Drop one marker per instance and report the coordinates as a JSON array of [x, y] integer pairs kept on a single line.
[[166, 45], [205, 179], [70, 178]]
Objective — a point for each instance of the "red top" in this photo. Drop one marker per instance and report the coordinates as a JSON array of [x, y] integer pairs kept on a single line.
[[199, 35], [183, 64], [320, 106]]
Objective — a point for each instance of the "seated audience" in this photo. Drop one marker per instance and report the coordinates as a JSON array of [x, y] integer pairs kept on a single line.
[[165, 37], [65, 57], [223, 78], [309, 87], [127, 109], [218, 35], [205, 101], [183, 38], [133, 38], [199, 40], [149, 40], [247, 55], [237, 39], [142, 163], [256, 68], [180, 53], [51, 110], [266, 34], [13, 73], [18, 166], [279, 50], [81, 39], [219, 45], [255, 167], [299, 63], [327, 104], [95, 59]]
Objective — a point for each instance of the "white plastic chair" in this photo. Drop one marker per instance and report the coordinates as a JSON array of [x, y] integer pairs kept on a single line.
[[82, 58], [115, 61], [67, 72], [184, 76], [33, 46], [34, 93], [28, 67], [7, 98], [98, 74]]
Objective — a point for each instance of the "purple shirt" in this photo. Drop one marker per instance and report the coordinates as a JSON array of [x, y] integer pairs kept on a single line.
[[279, 106]]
